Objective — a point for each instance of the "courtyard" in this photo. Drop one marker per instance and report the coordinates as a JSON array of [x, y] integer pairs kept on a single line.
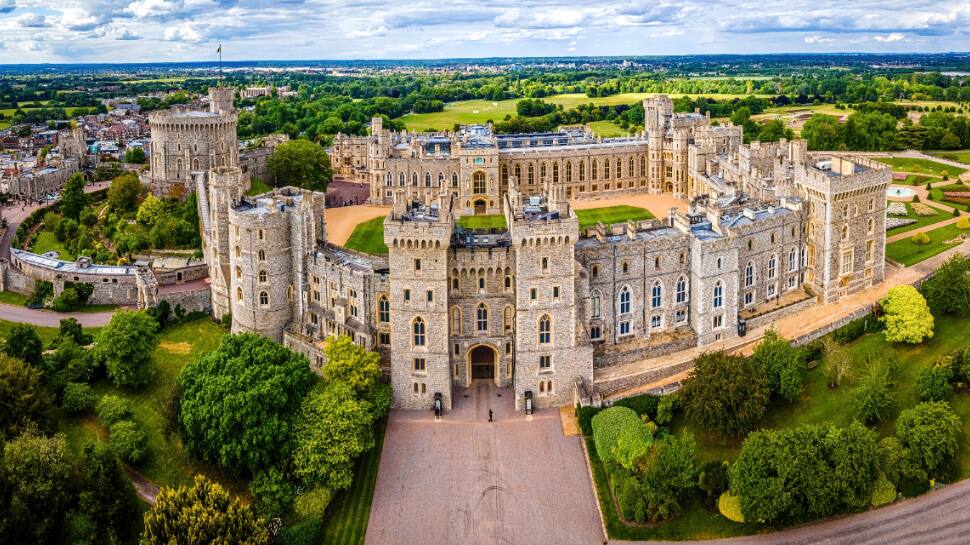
[[466, 480]]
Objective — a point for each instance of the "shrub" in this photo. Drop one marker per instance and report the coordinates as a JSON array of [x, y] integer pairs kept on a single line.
[[629, 497], [906, 316], [933, 383], [730, 506], [852, 330], [608, 426], [273, 493], [645, 404], [963, 223], [813, 351], [585, 417], [78, 397], [112, 409], [712, 479], [305, 532], [871, 399], [884, 492], [128, 441], [931, 431], [665, 409], [632, 444], [67, 301], [920, 238], [313, 503]]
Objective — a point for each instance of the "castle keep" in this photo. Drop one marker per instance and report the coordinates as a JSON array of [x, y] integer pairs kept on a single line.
[[539, 304]]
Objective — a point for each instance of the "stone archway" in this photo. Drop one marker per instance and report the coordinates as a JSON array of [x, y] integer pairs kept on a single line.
[[480, 207], [483, 360]]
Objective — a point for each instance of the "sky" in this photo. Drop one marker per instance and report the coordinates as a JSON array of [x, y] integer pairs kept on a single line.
[[64, 31]]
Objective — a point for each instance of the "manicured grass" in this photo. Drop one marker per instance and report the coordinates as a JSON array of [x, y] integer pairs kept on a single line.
[[962, 156], [916, 179], [168, 463], [827, 109], [907, 164], [921, 221], [12, 298], [46, 241], [937, 195], [348, 514], [368, 237], [492, 221], [607, 129], [906, 252], [258, 187], [611, 214]]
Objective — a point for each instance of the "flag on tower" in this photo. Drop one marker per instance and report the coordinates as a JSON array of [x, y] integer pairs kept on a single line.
[[220, 49]]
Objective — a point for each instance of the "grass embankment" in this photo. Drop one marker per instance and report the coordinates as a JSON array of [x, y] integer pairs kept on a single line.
[[368, 237], [611, 214], [46, 334], [909, 164], [921, 221], [349, 512], [258, 187], [962, 156], [909, 253], [492, 221]]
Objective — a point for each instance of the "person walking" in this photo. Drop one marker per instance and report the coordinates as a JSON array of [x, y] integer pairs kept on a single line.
[[490, 415]]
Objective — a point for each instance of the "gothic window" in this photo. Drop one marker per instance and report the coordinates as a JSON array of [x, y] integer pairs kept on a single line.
[[238, 294], [582, 171], [454, 180], [656, 295], [625, 300], [772, 262], [606, 169], [238, 272], [505, 174], [718, 301], [481, 317], [263, 298], [872, 205], [749, 275], [508, 282], [870, 226], [384, 310], [507, 318], [518, 174], [414, 179], [417, 329], [595, 170], [792, 261], [569, 172], [629, 167], [555, 173], [542, 172], [532, 169], [643, 164], [262, 277], [594, 304], [619, 168], [455, 321], [681, 289], [262, 255], [478, 182], [427, 179], [400, 179], [441, 179], [545, 329]]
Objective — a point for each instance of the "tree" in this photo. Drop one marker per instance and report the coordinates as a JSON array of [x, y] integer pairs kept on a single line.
[[135, 156], [107, 497], [608, 427], [24, 343], [124, 193], [125, 347], [872, 401], [931, 431], [300, 163], [667, 475], [202, 513], [128, 441], [239, 401], [351, 364], [112, 409], [823, 132], [933, 383], [77, 398], [150, 210], [725, 394], [273, 493], [782, 363], [838, 364], [35, 488], [906, 316], [73, 197], [897, 462], [24, 401], [70, 330], [948, 290]]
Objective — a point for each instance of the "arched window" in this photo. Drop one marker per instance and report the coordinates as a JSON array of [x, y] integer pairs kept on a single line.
[[555, 173], [455, 321], [427, 179], [238, 272], [542, 172], [606, 169], [478, 182], [643, 165], [238, 294], [518, 174], [629, 167], [582, 171], [389, 179], [454, 180], [845, 232], [569, 172], [262, 277], [384, 310], [505, 174], [619, 168], [625, 300], [870, 226], [508, 282], [594, 304], [507, 318], [718, 301], [481, 317], [263, 298], [441, 179], [545, 329], [772, 263], [262, 255], [238, 252], [595, 171], [681, 289], [872, 205], [400, 179], [414, 179], [532, 174], [792, 260], [418, 332], [656, 295], [749, 275]]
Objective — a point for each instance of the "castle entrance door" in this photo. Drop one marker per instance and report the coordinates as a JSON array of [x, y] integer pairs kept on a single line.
[[483, 360], [480, 207]]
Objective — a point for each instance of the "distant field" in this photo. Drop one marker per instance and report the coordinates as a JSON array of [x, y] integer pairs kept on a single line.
[[155, 80], [8, 112], [907, 164], [827, 109], [607, 129], [611, 214]]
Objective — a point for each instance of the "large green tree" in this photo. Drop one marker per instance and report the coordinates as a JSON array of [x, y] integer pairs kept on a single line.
[[782, 363], [948, 290], [107, 498], [239, 401], [24, 343], [931, 431], [725, 394], [300, 163], [667, 473], [24, 401], [823, 132], [125, 347], [906, 316], [124, 193], [35, 489], [73, 198], [202, 513]]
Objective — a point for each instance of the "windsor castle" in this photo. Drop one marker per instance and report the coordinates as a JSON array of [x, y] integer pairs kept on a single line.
[[540, 304]]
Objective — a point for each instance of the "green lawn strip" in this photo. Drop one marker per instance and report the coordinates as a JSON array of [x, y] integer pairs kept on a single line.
[[349, 512], [607, 129], [368, 237], [961, 156], [46, 333], [921, 221], [168, 463], [96, 308], [908, 253], [611, 214], [909, 164], [917, 179], [13, 298], [46, 241], [258, 187], [936, 194], [493, 221]]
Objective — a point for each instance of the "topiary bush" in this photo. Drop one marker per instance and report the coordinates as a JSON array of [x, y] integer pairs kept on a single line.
[[128, 441], [77, 398], [963, 223], [730, 506], [313, 503], [112, 409], [920, 239], [608, 425], [884, 492], [645, 404]]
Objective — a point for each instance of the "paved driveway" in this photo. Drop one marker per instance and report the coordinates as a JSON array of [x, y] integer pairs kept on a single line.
[[464, 480]]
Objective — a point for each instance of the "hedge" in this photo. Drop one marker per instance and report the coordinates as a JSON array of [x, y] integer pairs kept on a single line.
[[856, 328]]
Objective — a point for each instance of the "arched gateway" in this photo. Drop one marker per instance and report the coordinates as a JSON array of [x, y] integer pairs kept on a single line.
[[483, 359]]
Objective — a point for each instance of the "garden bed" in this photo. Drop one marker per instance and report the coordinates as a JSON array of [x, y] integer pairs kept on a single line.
[[915, 219], [909, 253]]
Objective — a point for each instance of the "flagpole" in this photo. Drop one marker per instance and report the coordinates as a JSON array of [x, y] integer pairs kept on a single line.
[[221, 77]]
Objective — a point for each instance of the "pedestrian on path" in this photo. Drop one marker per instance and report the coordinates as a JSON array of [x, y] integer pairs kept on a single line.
[[490, 415]]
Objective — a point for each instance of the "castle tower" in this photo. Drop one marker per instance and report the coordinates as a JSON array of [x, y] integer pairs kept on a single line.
[[224, 191], [657, 112], [418, 240], [378, 150], [220, 100]]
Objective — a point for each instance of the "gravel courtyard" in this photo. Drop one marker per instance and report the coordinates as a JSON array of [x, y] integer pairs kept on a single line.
[[465, 480]]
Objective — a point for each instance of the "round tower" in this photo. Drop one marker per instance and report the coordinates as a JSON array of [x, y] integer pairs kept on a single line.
[[220, 100]]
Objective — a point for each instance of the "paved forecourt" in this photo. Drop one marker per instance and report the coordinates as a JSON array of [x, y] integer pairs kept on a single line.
[[465, 480]]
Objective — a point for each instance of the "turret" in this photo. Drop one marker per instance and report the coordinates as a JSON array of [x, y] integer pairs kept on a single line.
[[220, 100]]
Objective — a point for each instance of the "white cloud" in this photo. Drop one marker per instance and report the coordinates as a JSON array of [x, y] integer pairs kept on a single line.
[[153, 8], [32, 20], [371, 32], [117, 31], [78, 19], [547, 18], [889, 38], [818, 40], [184, 33]]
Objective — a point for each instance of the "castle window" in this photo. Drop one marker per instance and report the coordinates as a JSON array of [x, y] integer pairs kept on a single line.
[[238, 252], [749, 275], [720, 262], [749, 244], [427, 179], [625, 267], [869, 248], [870, 226], [384, 310], [441, 179], [748, 298], [508, 282], [430, 296], [532, 294], [482, 317], [454, 282], [262, 255], [260, 234], [407, 296], [657, 262], [262, 277], [555, 293], [239, 294], [625, 327], [505, 174], [263, 298], [872, 205], [545, 329], [606, 169], [681, 316], [545, 362], [772, 238], [507, 318], [420, 365], [594, 271], [772, 262], [384, 338], [569, 172], [718, 300], [594, 304], [400, 179], [582, 171], [531, 174], [455, 321], [542, 172], [417, 264], [718, 322], [792, 260], [656, 321], [478, 182], [625, 300], [417, 329], [454, 180], [595, 333], [389, 179], [238, 272], [595, 170], [629, 169], [518, 174], [508, 350], [414, 179], [545, 264], [481, 282], [555, 173], [771, 290], [656, 295], [643, 165], [619, 168]]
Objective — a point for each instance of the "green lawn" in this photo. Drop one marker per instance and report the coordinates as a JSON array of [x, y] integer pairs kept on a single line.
[[916, 179], [46, 241], [611, 214], [258, 187], [368, 237], [607, 129], [906, 252], [921, 221], [13, 298], [492, 221], [936, 194], [168, 463], [907, 164], [46, 333], [347, 515], [962, 156]]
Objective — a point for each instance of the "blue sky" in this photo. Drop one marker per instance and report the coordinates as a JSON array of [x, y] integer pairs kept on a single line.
[[189, 30]]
